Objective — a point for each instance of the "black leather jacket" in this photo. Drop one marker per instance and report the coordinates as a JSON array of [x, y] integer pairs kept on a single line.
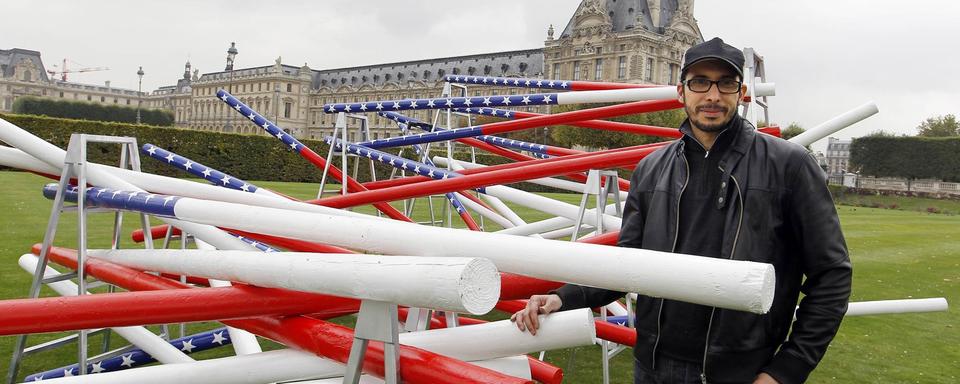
[[781, 213]]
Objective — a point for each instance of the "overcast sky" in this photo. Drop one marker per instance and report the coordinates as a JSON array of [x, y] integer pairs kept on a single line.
[[825, 56]]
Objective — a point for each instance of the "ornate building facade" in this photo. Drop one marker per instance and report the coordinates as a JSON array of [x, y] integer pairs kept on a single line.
[[630, 41]]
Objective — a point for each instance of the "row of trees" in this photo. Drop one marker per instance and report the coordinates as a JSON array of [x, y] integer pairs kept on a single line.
[[90, 111]]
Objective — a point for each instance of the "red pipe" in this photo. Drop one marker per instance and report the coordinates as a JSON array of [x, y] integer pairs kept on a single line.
[[580, 115], [319, 337], [122, 309], [566, 164]]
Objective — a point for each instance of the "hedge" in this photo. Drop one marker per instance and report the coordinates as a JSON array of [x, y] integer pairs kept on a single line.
[[910, 157], [247, 157], [90, 111]]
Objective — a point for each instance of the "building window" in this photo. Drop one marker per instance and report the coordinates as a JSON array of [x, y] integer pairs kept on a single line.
[[648, 73], [576, 70], [89, 98], [61, 94], [114, 100], [286, 109], [598, 70], [103, 99], [673, 74], [128, 101], [27, 76], [556, 71], [622, 67], [289, 87]]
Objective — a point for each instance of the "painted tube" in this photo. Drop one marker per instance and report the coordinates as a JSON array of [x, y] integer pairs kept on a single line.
[[312, 335], [127, 309], [566, 98], [304, 151], [883, 307], [139, 336], [197, 342], [487, 213], [605, 330], [517, 366], [561, 85], [545, 181], [731, 284], [550, 206], [542, 168], [54, 156], [835, 124], [202, 171], [16, 158], [469, 285], [533, 122], [264, 367]]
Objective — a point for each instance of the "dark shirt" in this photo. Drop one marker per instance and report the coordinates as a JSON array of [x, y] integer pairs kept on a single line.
[[700, 232]]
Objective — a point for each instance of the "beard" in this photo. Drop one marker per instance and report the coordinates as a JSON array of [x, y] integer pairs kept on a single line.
[[716, 125]]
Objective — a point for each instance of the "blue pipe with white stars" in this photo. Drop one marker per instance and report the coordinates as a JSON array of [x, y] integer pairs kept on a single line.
[[537, 149], [137, 357], [444, 103], [212, 175], [261, 121], [561, 85]]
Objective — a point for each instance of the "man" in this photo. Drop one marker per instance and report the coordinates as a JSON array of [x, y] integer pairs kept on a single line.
[[724, 190]]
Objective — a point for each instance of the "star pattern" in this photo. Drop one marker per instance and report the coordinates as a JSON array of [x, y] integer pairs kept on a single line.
[[212, 175]]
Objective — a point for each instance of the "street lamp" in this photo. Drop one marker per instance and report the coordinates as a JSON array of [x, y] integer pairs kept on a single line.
[[231, 55], [139, 92]]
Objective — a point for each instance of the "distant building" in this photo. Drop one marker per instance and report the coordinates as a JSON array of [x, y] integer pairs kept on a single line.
[[838, 155], [22, 73], [629, 41]]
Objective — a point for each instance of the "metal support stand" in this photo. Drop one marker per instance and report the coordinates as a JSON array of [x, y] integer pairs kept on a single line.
[[376, 321], [754, 71], [600, 183], [75, 167]]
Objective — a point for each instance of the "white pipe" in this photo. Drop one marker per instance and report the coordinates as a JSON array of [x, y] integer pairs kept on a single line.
[[54, 156], [835, 124], [494, 202], [150, 343], [731, 284], [486, 341], [485, 212], [516, 366], [552, 182], [446, 283], [638, 94], [883, 307], [550, 206], [15, 158], [244, 343]]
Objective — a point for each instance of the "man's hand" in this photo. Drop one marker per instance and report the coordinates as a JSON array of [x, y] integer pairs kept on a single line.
[[764, 378], [538, 304]]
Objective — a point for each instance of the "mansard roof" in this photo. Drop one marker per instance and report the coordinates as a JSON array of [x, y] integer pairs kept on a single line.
[[10, 58], [527, 62], [626, 15]]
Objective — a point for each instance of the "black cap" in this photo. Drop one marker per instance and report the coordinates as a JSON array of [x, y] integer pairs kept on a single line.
[[713, 49]]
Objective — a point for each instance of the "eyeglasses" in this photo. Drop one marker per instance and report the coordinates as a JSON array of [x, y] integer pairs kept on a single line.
[[702, 85]]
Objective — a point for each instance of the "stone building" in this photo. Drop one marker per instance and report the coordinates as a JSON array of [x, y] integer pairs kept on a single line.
[[22, 73], [630, 41], [838, 155]]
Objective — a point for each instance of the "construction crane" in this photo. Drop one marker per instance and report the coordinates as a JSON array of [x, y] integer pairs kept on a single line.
[[64, 71]]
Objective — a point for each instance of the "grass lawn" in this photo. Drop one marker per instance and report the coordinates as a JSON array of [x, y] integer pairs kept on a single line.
[[896, 254]]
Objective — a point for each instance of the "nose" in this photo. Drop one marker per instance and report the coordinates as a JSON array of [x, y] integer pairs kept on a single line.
[[713, 93]]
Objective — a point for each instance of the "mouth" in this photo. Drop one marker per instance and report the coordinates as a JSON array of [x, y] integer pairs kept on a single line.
[[712, 110]]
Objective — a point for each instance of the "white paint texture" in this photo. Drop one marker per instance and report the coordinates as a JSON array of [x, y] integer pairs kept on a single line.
[[459, 284]]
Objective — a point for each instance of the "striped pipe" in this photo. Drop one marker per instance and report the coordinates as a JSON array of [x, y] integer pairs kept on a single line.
[[560, 85], [528, 100], [537, 149], [133, 358], [533, 122], [302, 150], [199, 170]]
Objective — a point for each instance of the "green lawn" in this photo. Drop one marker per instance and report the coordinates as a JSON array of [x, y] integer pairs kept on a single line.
[[896, 254]]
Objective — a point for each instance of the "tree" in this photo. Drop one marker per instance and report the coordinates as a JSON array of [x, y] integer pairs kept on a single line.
[[791, 130], [940, 126]]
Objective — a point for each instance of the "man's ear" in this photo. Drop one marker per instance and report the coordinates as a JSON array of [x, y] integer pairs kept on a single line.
[[680, 92]]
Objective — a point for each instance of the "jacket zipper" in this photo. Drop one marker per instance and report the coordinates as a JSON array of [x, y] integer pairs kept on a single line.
[[736, 237], [676, 236]]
